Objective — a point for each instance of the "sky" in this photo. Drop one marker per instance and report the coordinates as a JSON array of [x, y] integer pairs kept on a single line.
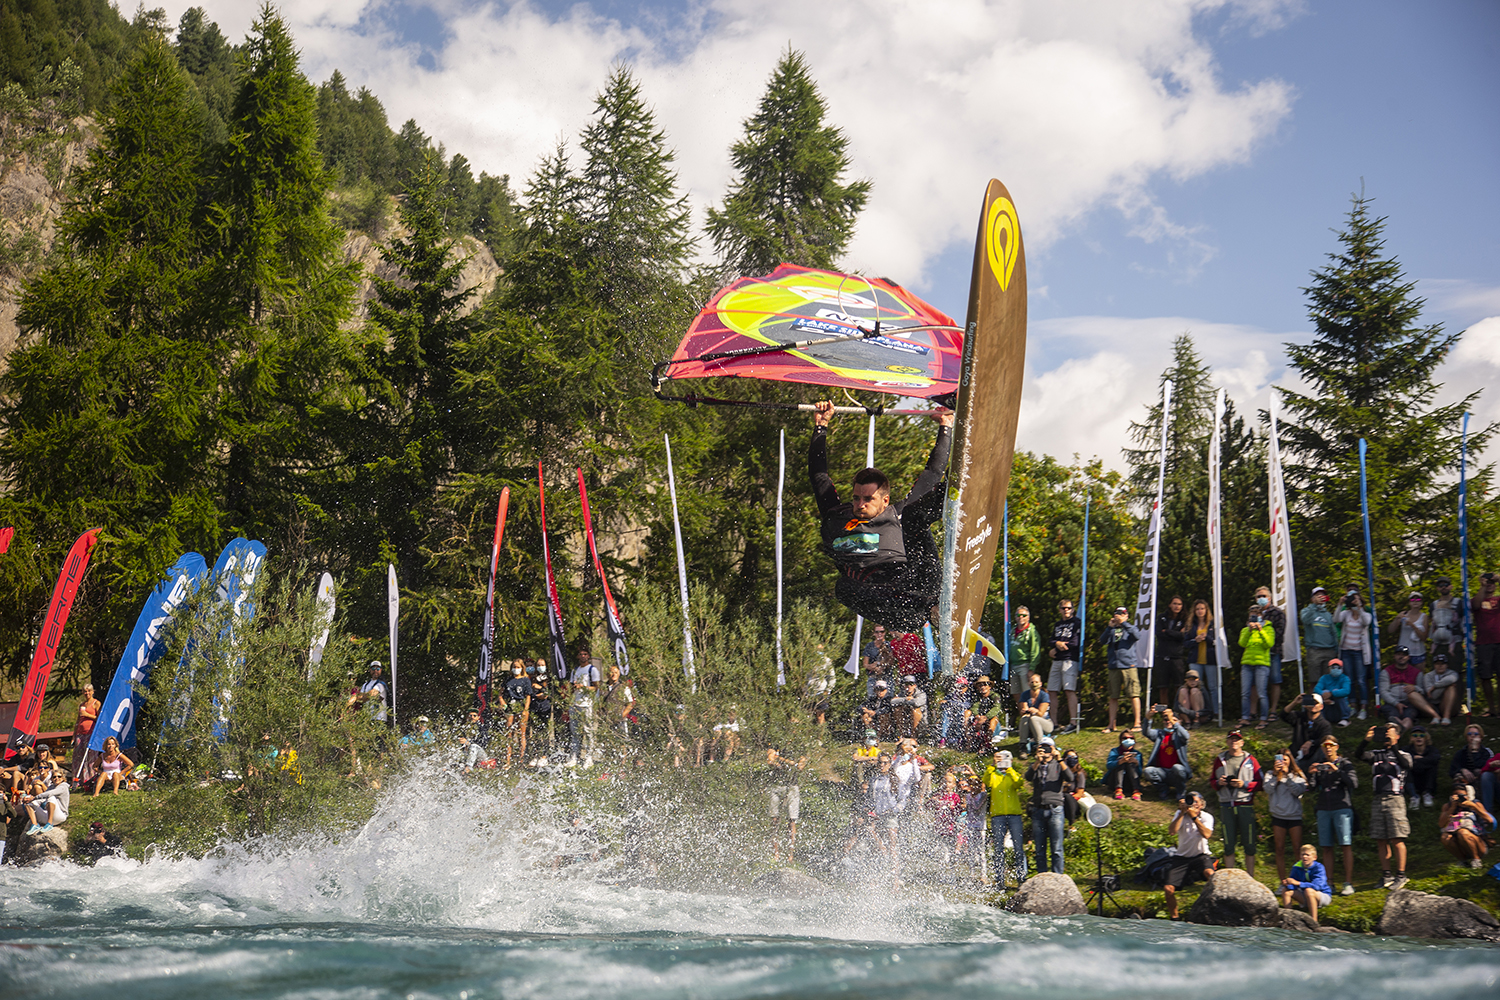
[[1178, 165]]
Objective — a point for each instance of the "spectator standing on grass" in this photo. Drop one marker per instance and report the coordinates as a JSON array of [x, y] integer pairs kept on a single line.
[[1122, 769], [1171, 663], [1023, 653], [1048, 777], [1463, 829], [1003, 783], [1436, 693], [83, 728], [1447, 635], [780, 776], [1119, 640], [1304, 714], [1485, 608], [1319, 633], [1193, 826], [1422, 790], [1355, 625], [1064, 647], [1276, 616], [1389, 766], [1411, 627], [1258, 639], [1335, 780], [818, 698], [1285, 785], [1333, 687], [1237, 777], [1202, 651], [1167, 766], [877, 660], [1307, 884]]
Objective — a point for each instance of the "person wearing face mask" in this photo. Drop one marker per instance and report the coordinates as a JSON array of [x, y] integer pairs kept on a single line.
[[1276, 618], [1122, 769], [1257, 638], [1355, 625], [1412, 627], [1192, 701], [518, 695], [1334, 688], [1470, 766]]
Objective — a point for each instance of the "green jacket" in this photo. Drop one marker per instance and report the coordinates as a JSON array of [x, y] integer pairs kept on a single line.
[[1258, 642], [1024, 652], [1005, 790]]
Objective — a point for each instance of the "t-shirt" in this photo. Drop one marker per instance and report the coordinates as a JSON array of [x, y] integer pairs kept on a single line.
[[1190, 840], [1486, 620], [987, 707], [375, 706], [1166, 757], [1041, 698], [914, 700], [518, 689], [586, 674], [1356, 629]]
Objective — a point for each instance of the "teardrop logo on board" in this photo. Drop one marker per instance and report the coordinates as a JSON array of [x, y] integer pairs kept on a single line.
[[1002, 240]]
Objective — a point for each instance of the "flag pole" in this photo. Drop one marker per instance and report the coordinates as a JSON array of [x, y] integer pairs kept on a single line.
[[1145, 600], [689, 670], [780, 488], [1364, 510], [1463, 555], [852, 666], [1083, 595]]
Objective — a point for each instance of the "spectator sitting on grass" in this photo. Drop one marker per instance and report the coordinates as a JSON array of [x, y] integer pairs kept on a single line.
[[1304, 714], [909, 707], [1036, 709], [1437, 690], [1468, 767], [1334, 687], [1122, 770], [114, 767], [1192, 701], [1307, 884], [100, 844], [1422, 788], [1167, 765], [1397, 681], [47, 802], [1462, 829], [1193, 827], [983, 714]]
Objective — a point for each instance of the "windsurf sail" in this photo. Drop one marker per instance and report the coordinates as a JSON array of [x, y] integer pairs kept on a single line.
[[614, 625], [823, 328]]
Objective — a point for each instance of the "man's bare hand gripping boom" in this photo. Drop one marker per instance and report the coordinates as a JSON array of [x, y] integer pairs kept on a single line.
[[887, 561]]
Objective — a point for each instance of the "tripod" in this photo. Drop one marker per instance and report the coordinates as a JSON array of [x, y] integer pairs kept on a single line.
[[1104, 886]]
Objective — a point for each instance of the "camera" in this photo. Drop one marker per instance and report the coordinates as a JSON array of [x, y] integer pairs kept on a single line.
[[1308, 699]]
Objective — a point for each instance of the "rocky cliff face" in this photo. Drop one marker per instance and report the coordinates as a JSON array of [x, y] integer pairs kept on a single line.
[[34, 189]]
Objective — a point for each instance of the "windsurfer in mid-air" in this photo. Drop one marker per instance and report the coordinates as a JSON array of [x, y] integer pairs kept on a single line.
[[888, 564]]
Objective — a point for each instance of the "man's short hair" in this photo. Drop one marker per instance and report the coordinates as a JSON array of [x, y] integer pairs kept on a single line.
[[872, 477]]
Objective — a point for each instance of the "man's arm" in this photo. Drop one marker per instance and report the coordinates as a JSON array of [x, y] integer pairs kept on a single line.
[[937, 463], [817, 466]]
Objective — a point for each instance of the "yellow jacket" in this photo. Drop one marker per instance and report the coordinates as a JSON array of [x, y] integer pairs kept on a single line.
[[1005, 790]]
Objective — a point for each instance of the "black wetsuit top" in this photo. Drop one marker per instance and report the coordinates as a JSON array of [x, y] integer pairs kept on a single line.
[[888, 565]]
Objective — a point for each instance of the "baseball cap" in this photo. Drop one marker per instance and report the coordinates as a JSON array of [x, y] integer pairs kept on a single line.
[[1320, 590], [1317, 699], [1234, 734], [1415, 596], [1335, 662], [1192, 673], [375, 665], [1440, 658], [1047, 741], [908, 679], [1403, 649], [881, 684], [423, 718], [1122, 610]]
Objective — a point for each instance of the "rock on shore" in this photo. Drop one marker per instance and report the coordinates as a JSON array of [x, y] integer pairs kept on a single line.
[[1409, 913], [1048, 894], [1234, 899]]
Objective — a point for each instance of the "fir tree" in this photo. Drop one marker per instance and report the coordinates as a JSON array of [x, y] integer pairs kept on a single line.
[[107, 402], [1371, 371], [789, 202]]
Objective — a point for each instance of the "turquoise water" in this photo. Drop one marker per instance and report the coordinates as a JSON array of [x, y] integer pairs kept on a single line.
[[457, 900]]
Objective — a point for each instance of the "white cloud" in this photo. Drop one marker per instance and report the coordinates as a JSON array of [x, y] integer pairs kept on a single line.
[[1475, 366], [1074, 106]]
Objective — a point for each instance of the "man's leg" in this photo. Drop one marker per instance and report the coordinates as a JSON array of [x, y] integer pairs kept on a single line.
[[1273, 683], [1248, 827], [1114, 706], [1055, 819], [1171, 893]]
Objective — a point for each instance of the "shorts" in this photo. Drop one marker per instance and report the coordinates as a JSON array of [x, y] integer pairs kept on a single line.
[[1186, 871], [788, 795], [1286, 824], [1485, 656], [1388, 818], [1274, 677], [1323, 898], [1124, 682], [1335, 827], [1171, 671], [1064, 676], [515, 707]]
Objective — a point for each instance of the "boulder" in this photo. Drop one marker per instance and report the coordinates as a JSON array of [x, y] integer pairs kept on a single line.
[[1409, 913], [1234, 899], [47, 845], [788, 883], [1298, 920], [1048, 894]]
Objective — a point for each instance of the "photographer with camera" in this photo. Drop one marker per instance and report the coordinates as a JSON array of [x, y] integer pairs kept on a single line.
[[1318, 633], [1412, 627], [1003, 782], [1463, 829], [1122, 769], [1388, 823], [1447, 634], [1049, 779], [1237, 777], [1304, 714], [1167, 765], [1258, 639], [1171, 660], [1276, 616], [1285, 785], [1193, 826], [1356, 624], [1335, 780], [1470, 766]]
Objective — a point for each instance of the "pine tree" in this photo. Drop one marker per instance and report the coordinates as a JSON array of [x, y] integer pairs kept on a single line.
[[1371, 371], [281, 292], [106, 408], [789, 202]]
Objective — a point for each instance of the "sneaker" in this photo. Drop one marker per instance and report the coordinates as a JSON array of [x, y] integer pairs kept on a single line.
[[33, 829], [1414, 802], [1427, 799], [1119, 794], [1387, 880], [1347, 890], [46, 827], [1343, 722], [1135, 796], [1399, 881], [1361, 715]]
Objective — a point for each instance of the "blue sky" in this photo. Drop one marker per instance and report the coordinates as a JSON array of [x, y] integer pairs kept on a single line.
[[1178, 164]]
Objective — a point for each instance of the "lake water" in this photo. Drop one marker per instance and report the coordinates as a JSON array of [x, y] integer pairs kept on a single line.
[[452, 896]]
